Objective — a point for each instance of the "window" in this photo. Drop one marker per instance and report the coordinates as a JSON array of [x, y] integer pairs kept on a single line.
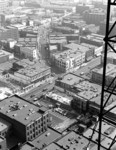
[[27, 127], [30, 131]]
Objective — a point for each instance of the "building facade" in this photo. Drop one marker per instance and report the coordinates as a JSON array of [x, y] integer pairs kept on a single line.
[[68, 59], [32, 74], [3, 5], [8, 32], [28, 120]]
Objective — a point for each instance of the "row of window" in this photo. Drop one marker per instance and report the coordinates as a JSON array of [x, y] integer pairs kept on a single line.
[[38, 123], [32, 136]]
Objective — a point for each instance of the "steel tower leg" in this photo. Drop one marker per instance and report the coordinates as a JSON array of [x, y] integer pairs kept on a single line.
[[107, 40]]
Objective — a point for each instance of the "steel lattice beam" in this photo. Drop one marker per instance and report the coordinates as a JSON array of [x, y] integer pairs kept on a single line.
[[108, 40]]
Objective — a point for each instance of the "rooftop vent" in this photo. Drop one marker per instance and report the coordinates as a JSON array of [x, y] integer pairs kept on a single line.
[[26, 118]]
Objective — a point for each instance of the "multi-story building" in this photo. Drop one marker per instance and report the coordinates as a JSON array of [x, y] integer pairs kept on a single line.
[[68, 81], [81, 8], [111, 58], [3, 143], [89, 51], [95, 16], [68, 59], [94, 39], [5, 128], [5, 56], [32, 73], [87, 93], [9, 32], [28, 120], [103, 28], [59, 98], [3, 5], [29, 52], [83, 91], [60, 41], [110, 74]]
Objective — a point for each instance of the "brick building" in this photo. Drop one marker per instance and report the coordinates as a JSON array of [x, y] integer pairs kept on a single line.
[[28, 120]]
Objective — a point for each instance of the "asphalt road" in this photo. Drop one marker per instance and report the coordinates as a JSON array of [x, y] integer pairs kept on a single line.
[[38, 91], [90, 65]]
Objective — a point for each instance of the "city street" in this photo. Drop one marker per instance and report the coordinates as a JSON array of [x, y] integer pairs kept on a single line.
[[38, 91], [86, 69]]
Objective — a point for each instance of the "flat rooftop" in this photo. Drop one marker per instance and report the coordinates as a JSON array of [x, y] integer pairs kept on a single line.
[[5, 66], [4, 53], [60, 97], [111, 55], [33, 70], [46, 138], [88, 90], [27, 146], [108, 134], [89, 45], [4, 124], [19, 109], [73, 141], [71, 79], [77, 47], [66, 55], [110, 70], [53, 146]]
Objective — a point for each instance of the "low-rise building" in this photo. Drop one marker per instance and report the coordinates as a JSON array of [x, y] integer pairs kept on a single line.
[[86, 93], [33, 73], [5, 128], [28, 120], [75, 141], [67, 81], [59, 98], [83, 91], [107, 135], [46, 138], [53, 146]]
